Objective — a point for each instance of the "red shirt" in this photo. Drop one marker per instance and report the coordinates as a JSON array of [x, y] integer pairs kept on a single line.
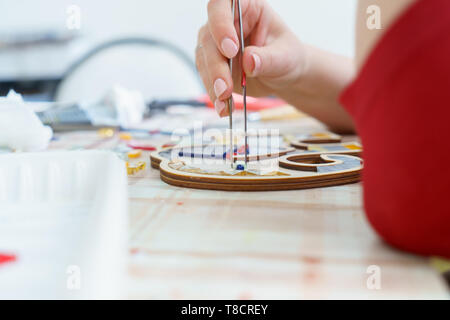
[[400, 102]]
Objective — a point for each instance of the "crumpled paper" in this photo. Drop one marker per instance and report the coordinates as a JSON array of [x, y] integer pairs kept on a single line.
[[20, 128], [119, 106]]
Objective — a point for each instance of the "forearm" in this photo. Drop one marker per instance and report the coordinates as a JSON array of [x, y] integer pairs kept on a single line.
[[324, 75], [317, 89]]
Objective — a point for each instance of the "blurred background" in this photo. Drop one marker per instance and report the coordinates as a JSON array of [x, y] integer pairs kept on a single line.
[[76, 50]]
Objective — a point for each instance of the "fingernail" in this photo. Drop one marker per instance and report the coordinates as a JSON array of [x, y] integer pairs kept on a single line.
[[257, 62], [229, 48], [219, 106], [219, 87]]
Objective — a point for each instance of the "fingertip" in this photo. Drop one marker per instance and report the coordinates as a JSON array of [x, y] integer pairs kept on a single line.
[[221, 26], [222, 89], [220, 107], [256, 63], [252, 64], [229, 48], [247, 64], [224, 113]]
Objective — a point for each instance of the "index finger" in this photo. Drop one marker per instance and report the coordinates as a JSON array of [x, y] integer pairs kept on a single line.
[[221, 26]]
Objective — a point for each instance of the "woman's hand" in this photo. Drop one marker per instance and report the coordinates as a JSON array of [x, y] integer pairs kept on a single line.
[[273, 58], [275, 61]]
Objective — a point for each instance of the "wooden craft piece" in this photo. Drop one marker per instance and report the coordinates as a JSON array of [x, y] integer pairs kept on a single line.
[[348, 148], [208, 167], [304, 140], [329, 170]]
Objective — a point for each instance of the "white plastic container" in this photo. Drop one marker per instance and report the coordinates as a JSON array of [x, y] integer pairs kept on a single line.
[[64, 216]]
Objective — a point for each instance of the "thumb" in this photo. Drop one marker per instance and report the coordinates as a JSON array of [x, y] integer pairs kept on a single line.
[[263, 61]]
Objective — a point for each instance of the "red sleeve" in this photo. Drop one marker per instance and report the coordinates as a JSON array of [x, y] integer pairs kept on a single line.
[[400, 102]]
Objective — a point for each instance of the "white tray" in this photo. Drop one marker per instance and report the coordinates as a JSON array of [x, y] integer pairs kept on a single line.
[[64, 216]]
